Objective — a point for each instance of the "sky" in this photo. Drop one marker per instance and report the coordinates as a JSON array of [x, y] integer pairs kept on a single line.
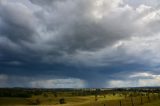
[[79, 43]]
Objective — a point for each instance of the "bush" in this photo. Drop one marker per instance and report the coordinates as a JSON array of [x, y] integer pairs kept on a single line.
[[34, 102], [45, 95], [62, 101], [55, 95]]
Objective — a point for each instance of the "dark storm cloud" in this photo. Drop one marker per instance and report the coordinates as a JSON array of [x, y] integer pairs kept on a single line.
[[63, 27], [16, 22], [78, 29], [80, 40]]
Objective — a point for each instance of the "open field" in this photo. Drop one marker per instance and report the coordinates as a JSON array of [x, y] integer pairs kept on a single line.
[[154, 103], [78, 100], [80, 97]]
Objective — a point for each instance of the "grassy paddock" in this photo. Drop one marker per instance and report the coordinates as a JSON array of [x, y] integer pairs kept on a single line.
[[109, 100], [78, 97]]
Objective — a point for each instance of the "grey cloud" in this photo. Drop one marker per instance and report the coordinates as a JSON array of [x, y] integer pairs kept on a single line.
[[17, 21], [146, 2], [59, 83], [67, 28], [3, 78], [137, 79], [80, 32], [38, 82], [42, 2]]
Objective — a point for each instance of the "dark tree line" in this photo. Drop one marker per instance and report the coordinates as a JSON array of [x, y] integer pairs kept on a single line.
[[25, 93]]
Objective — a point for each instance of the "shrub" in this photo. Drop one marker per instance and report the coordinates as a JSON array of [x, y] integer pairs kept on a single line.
[[34, 102], [62, 101]]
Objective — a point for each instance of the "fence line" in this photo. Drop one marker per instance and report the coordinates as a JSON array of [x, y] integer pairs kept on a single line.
[[129, 101]]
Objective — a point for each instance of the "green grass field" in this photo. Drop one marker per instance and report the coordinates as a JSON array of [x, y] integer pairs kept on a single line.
[[51, 100], [74, 101], [154, 103], [70, 100]]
